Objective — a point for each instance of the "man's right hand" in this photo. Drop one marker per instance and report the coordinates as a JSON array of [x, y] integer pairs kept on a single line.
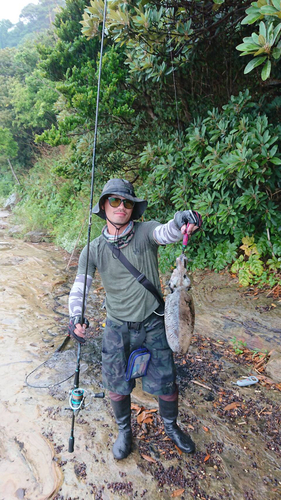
[[76, 329]]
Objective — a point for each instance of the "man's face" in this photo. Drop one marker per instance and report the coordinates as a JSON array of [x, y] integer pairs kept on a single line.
[[119, 215]]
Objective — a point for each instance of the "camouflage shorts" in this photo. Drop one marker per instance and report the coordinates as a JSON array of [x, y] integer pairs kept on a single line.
[[161, 373]]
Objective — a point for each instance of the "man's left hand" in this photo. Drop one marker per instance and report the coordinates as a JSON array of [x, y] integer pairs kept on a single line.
[[188, 221], [76, 329]]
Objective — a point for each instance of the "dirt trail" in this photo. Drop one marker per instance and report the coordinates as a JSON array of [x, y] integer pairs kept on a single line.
[[236, 430]]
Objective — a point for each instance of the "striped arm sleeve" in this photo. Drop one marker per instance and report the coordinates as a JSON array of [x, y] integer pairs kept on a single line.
[[167, 233], [76, 294]]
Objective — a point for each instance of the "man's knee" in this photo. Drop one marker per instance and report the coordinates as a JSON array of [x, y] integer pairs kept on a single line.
[[116, 397]]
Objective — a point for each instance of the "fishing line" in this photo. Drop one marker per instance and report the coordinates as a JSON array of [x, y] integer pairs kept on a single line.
[[174, 80], [76, 391], [94, 160], [66, 340]]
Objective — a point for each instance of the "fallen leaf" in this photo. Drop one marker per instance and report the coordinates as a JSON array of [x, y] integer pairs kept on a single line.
[[177, 493], [231, 406], [148, 420], [135, 407], [142, 416], [207, 458], [149, 459]]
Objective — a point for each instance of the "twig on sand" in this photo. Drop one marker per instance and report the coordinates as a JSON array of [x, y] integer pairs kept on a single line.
[[202, 385]]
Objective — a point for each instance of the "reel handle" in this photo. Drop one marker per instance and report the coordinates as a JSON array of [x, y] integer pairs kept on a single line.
[[98, 395], [185, 239]]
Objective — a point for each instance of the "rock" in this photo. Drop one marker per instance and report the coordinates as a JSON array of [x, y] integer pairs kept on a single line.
[[36, 237], [14, 230], [11, 201], [273, 367]]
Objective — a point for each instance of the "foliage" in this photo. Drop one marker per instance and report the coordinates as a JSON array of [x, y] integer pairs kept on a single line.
[[26, 99], [250, 266], [6, 185], [238, 345], [226, 166], [8, 147], [51, 204], [158, 37], [266, 44]]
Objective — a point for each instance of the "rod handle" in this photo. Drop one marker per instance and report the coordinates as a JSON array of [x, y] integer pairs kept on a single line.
[[71, 444]]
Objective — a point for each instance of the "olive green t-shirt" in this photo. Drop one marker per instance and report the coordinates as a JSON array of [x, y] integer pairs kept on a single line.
[[126, 298]]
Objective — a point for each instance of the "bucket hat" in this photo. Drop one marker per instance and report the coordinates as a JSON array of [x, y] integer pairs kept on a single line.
[[123, 188]]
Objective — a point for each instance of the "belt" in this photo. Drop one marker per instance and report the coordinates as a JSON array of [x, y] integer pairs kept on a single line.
[[137, 325]]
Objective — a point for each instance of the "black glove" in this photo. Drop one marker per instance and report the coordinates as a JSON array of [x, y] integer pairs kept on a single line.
[[188, 216], [74, 320]]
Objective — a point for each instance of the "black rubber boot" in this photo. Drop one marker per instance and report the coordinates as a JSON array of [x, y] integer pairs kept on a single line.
[[169, 413], [123, 444]]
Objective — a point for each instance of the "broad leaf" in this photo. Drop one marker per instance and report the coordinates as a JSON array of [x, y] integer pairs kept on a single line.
[[254, 63], [266, 70]]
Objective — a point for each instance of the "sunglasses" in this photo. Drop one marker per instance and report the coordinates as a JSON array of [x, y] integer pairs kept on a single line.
[[116, 202]]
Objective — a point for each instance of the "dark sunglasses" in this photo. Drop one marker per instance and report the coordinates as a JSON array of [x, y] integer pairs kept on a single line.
[[116, 202]]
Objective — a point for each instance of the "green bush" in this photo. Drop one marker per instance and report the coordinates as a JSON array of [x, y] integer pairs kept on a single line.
[[7, 185], [51, 204], [226, 166]]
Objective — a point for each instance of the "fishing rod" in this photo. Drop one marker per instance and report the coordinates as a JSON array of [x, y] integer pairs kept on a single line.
[[77, 395]]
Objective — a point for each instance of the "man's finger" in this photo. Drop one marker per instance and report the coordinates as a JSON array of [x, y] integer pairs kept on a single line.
[[80, 330], [190, 228], [193, 229]]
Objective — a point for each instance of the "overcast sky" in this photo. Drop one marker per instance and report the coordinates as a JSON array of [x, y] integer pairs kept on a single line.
[[11, 9]]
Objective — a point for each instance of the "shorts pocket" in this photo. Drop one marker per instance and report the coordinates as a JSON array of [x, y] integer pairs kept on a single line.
[[161, 373], [113, 367]]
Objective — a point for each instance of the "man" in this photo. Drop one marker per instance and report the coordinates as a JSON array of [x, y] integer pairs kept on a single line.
[[131, 308]]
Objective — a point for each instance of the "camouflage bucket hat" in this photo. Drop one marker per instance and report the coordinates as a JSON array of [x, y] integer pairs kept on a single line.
[[123, 188]]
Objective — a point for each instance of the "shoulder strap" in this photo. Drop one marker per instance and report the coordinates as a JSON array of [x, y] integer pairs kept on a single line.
[[140, 277]]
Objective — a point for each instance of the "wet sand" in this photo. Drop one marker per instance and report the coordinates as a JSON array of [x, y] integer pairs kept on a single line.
[[238, 450]]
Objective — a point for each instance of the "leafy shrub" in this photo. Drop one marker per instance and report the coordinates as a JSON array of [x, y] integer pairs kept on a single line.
[[50, 203], [7, 185], [252, 269], [227, 166]]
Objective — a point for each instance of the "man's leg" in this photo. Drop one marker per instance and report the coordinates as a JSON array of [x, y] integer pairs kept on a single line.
[[114, 362], [161, 381], [168, 408], [121, 406]]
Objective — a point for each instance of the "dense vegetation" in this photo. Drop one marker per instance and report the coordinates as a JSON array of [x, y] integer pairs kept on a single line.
[[178, 116]]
